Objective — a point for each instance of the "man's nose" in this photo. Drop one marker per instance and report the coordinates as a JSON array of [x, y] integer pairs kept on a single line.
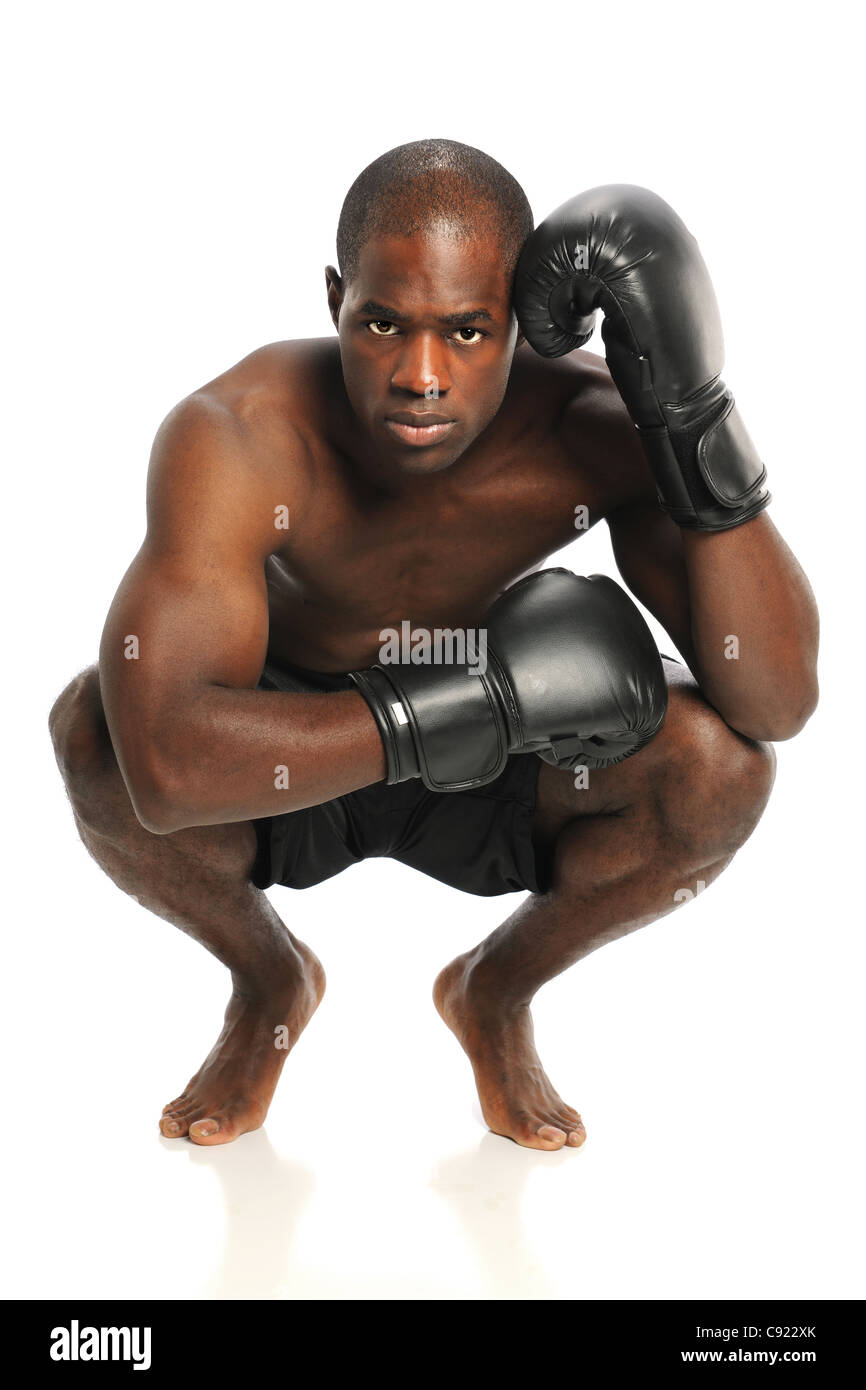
[[422, 366]]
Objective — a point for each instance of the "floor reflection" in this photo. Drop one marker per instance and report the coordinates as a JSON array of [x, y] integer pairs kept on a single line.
[[264, 1197], [485, 1186]]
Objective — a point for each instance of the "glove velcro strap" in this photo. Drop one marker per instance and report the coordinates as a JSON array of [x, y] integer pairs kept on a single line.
[[392, 722], [708, 473], [457, 727], [729, 462]]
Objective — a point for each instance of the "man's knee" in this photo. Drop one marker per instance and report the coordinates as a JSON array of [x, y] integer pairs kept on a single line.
[[720, 781], [744, 771], [101, 802], [82, 744]]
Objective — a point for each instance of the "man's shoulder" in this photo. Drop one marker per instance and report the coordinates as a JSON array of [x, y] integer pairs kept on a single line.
[[579, 406], [280, 382], [264, 408], [246, 432], [575, 390]]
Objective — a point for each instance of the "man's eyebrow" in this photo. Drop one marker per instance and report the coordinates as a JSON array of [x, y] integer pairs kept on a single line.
[[384, 311], [468, 317]]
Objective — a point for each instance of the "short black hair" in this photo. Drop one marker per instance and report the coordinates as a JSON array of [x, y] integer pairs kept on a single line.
[[405, 190]]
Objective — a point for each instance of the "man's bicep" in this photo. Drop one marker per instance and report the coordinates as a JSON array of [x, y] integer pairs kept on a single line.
[[172, 632], [648, 550], [192, 609], [185, 625]]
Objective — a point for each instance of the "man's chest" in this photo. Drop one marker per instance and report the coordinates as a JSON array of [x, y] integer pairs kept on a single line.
[[428, 557], [353, 567]]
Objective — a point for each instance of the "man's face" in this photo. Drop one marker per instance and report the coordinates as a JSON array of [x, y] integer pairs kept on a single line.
[[427, 334]]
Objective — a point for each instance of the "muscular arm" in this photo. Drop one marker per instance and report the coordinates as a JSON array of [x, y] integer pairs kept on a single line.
[[197, 744], [709, 587]]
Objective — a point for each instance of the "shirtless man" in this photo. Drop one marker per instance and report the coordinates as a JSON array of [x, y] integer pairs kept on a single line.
[[304, 501]]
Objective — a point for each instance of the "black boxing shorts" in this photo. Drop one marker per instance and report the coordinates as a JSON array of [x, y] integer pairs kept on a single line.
[[479, 841]]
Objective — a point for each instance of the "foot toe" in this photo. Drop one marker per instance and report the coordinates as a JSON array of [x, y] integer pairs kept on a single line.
[[205, 1128], [574, 1128], [183, 1112], [173, 1126], [551, 1134], [218, 1127]]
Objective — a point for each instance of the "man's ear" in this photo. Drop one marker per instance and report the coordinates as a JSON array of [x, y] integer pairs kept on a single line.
[[521, 337], [334, 282]]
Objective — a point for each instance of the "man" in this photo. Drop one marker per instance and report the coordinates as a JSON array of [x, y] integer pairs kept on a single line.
[[320, 492]]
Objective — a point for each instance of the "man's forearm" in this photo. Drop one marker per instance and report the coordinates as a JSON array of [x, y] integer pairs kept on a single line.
[[234, 755], [754, 628]]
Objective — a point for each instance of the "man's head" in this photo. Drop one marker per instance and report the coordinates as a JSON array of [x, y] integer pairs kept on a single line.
[[427, 245]]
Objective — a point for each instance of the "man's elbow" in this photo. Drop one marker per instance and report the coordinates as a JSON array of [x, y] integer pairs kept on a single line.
[[155, 797], [155, 811], [157, 817], [779, 725]]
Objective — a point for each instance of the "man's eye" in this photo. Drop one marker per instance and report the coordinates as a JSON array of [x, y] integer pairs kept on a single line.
[[383, 328]]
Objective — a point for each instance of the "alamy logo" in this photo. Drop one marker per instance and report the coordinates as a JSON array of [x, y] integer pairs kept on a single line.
[[76, 1343], [439, 646]]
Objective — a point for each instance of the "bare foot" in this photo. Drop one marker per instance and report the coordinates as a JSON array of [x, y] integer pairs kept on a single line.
[[517, 1099], [231, 1092]]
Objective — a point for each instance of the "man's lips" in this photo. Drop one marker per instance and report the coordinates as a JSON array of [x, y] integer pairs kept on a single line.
[[419, 428]]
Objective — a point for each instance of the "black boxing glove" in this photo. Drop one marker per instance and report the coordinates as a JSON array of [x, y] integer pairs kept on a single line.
[[621, 249], [572, 673]]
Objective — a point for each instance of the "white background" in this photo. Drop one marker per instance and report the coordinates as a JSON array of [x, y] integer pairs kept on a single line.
[[174, 175]]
